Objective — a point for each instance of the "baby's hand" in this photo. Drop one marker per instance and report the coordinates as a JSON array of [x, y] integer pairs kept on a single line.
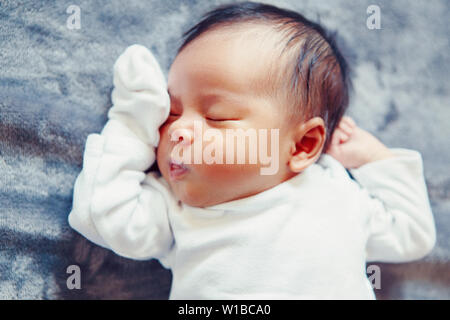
[[354, 147], [140, 98]]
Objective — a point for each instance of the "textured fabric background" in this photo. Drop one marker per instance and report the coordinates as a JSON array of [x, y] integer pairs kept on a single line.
[[55, 86]]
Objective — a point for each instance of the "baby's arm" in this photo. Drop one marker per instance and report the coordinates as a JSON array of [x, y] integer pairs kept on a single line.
[[393, 188], [115, 204]]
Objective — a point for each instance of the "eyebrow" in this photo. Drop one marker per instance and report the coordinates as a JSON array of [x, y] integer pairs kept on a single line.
[[211, 96], [204, 95]]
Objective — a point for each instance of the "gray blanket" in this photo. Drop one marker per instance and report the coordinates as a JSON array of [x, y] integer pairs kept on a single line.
[[55, 85]]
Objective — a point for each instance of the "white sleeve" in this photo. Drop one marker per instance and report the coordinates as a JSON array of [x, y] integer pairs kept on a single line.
[[401, 223], [115, 204]]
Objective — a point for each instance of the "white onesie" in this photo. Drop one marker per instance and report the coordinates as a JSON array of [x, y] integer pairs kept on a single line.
[[306, 238]]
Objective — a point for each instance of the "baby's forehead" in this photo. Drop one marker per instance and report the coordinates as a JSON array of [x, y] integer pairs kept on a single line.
[[250, 49], [243, 59], [246, 38]]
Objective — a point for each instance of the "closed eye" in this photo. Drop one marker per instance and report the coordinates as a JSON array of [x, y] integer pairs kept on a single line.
[[222, 119]]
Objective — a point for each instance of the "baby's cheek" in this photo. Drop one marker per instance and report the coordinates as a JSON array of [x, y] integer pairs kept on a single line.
[[226, 176], [163, 130], [161, 152]]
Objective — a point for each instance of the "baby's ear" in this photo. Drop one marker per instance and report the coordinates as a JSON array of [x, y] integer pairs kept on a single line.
[[307, 145]]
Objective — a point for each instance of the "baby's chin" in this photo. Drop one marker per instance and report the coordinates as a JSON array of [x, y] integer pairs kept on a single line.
[[193, 196], [199, 192], [198, 203]]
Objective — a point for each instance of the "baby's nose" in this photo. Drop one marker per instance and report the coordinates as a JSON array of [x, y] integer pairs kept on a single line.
[[184, 136]]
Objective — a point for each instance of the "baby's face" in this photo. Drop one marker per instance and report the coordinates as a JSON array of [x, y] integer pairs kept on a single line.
[[209, 87]]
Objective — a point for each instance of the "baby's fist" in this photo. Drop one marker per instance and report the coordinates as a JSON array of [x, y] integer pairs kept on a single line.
[[354, 147], [140, 98]]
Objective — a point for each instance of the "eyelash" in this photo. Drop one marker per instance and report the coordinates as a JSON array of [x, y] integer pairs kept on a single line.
[[218, 120]]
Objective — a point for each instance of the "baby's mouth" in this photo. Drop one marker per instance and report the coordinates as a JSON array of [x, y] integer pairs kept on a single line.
[[177, 170]]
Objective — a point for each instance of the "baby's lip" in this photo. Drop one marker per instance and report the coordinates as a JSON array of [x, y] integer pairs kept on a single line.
[[177, 164], [176, 161], [177, 169]]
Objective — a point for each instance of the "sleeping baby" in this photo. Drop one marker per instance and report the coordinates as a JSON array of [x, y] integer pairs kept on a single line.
[[265, 189]]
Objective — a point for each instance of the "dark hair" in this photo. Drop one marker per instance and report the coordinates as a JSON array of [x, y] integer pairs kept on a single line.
[[318, 71]]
